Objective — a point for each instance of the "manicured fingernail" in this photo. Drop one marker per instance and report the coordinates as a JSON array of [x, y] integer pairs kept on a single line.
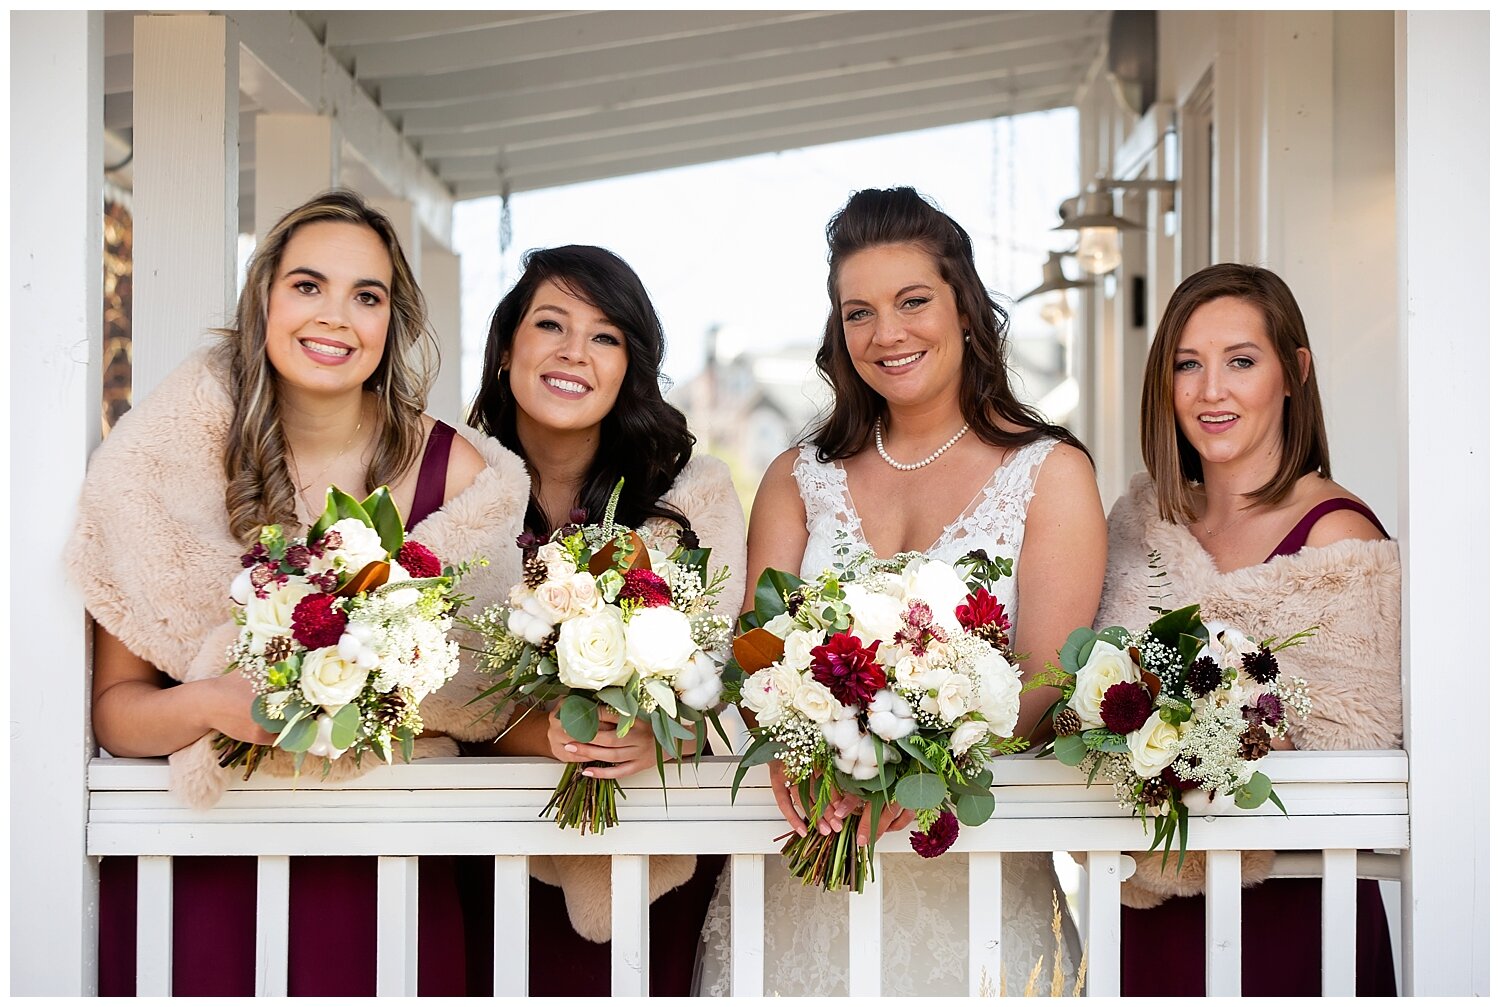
[[589, 773], [570, 748]]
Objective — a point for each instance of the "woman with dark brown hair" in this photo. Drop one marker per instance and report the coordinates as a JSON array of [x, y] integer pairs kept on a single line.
[[924, 448], [1239, 508]]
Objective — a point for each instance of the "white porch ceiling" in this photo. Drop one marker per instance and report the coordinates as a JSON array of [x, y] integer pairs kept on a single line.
[[532, 99]]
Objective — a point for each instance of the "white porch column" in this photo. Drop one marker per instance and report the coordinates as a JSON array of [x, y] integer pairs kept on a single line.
[[186, 194], [56, 242], [441, 286], [1443, 290], [296, 157]]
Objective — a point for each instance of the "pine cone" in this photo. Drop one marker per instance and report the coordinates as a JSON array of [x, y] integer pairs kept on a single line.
[[992, 634], [278, 649], [392, 709], [1067, 722], [534, 572], [1155, 792], [1254, 743]]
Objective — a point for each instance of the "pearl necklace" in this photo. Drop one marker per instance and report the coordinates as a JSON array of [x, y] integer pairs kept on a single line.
[[905, 467]]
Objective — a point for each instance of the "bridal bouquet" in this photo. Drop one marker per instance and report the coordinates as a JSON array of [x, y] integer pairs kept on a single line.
[[343, 634], [1175, 716], [599, 623], [892, 680]]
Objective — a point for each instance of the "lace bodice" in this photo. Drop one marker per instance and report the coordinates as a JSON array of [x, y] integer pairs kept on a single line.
[[994, 521]]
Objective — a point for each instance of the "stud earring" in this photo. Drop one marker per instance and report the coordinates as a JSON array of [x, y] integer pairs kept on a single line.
[[966, 336]]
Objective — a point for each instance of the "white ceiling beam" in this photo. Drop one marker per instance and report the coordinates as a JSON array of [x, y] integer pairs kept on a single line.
[[350, 28], [870, 82], [765, 120], [524, 178], [119, 32], [545, 40], [119, 73], [289, 60], [840, 36]]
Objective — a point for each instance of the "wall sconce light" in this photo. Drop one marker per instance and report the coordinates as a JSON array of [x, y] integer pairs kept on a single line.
[[1053, 277], [1093, 216]]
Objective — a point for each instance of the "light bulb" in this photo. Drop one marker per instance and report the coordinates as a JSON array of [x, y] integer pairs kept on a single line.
[[1098, 250], [1057, 311]]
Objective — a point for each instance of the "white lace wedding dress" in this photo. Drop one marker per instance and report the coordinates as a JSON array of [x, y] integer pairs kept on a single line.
[[925, 903]]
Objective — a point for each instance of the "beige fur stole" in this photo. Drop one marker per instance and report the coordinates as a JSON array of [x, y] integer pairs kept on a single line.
[[153, 555], [1351, 591], [705, 494]]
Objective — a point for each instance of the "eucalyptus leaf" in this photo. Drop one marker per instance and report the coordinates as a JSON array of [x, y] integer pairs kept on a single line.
[[1070, 750], [910, 748], [920, 791], [761, 751], [974, 809], [299, 735], [615, 697], [1254, 792], [345, 726], [579, 716], [1075, 649]]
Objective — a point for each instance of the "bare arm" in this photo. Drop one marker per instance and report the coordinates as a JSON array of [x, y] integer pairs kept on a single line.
[[778, 525], [1060, 573], [137, 714]]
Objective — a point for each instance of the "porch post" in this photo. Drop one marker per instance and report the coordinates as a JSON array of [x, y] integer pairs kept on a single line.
[[296, 157], [56, 289], [1443, 323], [440, 285], [186, 196]]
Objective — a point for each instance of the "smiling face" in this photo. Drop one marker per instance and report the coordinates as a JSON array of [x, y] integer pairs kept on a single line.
[[902, 325], [329, 310], [566, 363], [1228, 387]]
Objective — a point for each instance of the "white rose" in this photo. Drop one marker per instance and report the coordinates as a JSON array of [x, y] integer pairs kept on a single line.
[[781, 626], [698, 684], [558, 562], [874, 616], [323, 743], [955, 697], [859, 760], [1107, 665], [940, 586], [797, 652], [591, 651], [813, 700], [585, 594], [768, 692], [999, 692], [553, 600], [659, 642], [272, 615], [359, 547], [330, 681], [890, 715], [967, 735], [1153, 746]]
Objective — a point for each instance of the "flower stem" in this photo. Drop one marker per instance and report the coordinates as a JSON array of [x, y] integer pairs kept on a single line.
[[833, 862], [586, 803]]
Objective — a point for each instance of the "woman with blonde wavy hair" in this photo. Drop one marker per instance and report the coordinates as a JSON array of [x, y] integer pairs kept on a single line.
[[320, 382]]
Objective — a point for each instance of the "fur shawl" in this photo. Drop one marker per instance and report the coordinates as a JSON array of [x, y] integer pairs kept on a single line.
[[706, 496], [1351, 591], [153, 555]]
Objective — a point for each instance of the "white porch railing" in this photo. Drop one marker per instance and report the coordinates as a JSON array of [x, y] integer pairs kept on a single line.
[[1338, 803]]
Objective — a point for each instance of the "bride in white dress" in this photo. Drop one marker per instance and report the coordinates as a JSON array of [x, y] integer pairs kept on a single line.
[[925, 449]]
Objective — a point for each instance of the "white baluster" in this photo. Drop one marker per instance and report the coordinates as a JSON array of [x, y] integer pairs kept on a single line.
[[153, 926], [747, 919], [1103, 924], [512, 925], [396, 929], [986, 955], [864, 934], [630, 926], [1222, 932], [273, 877], [1338, 922]]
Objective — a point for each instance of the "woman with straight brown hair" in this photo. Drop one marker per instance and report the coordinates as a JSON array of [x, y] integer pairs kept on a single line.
[[1239, 509]]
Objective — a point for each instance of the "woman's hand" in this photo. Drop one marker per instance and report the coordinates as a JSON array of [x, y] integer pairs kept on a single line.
[[227, 701], [633, 753], [840, 807]]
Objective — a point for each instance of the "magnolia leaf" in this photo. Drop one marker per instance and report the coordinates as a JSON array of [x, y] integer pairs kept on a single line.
[[663, 694], [579, 716], [372, 576], [919, 791], [299, 735], [348, 507], [1070, 750], [757, 649], [345, 726], [326, 520], [1254, 792], [386, 519], [693, 559], [770, 593], [635, 557], [974, 809]]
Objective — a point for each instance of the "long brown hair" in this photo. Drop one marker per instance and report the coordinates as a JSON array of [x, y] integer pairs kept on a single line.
[[260, 489], [901, 216], [1171, 460]]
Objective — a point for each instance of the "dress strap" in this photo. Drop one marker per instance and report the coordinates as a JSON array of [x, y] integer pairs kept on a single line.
[[1297, 537], [432, 477]]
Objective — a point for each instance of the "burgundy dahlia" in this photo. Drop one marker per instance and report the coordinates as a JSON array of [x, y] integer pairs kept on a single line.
[[981, 608], [647, 588], [848, 670], [938, 838], [317, 621], [1125, 707], [419, 561]]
